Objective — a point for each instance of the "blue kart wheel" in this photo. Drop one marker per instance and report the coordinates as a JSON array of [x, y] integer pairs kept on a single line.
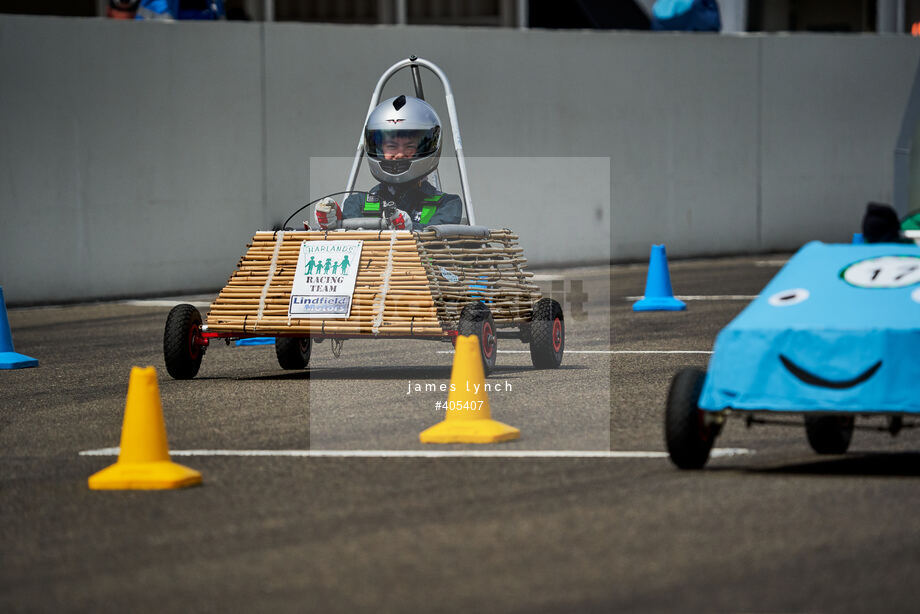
[[688, 435], [829, 434]]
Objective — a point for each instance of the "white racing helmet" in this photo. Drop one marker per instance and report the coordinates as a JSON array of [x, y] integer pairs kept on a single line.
[[402, 140]]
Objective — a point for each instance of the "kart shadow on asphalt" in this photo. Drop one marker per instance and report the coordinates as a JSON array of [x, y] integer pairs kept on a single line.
[[868, 464], [389, 373]]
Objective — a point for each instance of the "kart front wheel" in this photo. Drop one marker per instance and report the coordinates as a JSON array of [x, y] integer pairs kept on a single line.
[[829, 434], [547, 334], [688, 436], [293, 352], [476, 319], [182, 349]]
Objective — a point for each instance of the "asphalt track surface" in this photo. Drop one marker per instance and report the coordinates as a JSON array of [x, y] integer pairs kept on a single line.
[[777, 530]]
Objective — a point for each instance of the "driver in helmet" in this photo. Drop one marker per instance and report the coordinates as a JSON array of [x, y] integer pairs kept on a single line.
[[402, 141]]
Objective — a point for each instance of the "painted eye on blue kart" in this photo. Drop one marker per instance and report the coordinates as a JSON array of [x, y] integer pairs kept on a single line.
[[915, 295], [793, 296]]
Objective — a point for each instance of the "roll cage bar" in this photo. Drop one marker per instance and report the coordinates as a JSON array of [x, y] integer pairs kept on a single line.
[[414, 63]]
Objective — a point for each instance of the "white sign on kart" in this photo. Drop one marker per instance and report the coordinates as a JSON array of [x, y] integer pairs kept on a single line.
[[324, 281]]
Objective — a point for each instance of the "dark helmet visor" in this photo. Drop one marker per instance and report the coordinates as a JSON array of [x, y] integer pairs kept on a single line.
[[382, 143]]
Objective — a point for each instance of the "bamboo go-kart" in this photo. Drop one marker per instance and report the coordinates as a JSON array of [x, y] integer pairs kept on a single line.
[[430, 284]]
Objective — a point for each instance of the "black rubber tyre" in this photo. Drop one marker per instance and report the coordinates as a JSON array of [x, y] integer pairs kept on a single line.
[[476, 319], [829, 434], [293, 352], [547, 334], [181, 353], [689, 439]]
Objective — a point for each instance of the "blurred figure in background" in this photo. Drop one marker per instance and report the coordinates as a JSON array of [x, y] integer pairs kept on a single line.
[[169, 10], [122, 9], [687, 15], [881, 225]]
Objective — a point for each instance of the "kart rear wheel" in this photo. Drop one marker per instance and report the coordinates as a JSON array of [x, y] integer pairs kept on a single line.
[[829, 434], [181, 349], [547, 334], [476, 319], [688, 436], [293, 352]]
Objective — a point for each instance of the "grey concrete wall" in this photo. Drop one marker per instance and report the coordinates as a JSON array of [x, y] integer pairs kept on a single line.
[[138, 158], [130, 157], [831, 110]]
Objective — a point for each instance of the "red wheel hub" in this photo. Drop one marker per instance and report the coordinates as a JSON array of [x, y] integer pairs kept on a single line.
[[194, 344], [557, 334], [488, 340], [704, 429]]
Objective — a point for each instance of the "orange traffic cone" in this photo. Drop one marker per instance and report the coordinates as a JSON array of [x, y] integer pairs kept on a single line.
[[143, 462], [468, 418]]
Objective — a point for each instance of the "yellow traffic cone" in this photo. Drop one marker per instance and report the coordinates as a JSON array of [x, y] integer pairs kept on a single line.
[[468, 418], [143, 463]]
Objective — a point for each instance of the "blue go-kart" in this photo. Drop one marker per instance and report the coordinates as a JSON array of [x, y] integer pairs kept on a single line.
[[834, 336]]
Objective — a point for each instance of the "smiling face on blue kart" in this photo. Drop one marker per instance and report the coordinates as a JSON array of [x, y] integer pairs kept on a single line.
[[837, 329]]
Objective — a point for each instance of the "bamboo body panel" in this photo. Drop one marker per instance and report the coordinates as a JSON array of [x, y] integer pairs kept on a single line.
[[430, 282]]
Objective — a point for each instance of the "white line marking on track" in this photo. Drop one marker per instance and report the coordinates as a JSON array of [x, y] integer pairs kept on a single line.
[[708, 297], [716, 453], [661, 352], [602, 351], [163, 303]]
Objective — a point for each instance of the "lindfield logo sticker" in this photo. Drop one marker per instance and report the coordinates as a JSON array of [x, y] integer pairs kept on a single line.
[[324, 281]]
